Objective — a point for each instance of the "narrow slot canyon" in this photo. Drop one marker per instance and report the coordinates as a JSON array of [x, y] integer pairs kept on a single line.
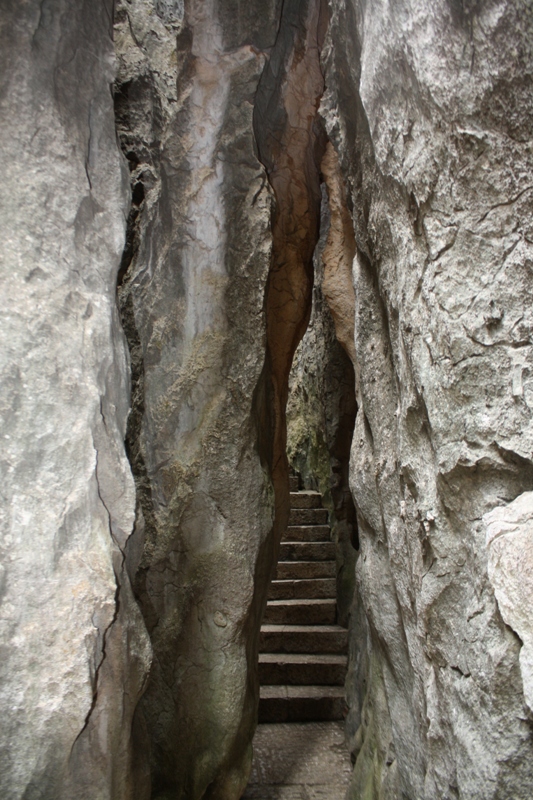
[[266, 396]]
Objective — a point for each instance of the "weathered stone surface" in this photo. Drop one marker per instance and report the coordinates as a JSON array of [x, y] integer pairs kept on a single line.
[[510, 550], [74, 652], [430, 109], [429, 113], [192, 300]]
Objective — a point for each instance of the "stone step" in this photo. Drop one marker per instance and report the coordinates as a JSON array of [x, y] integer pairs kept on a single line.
[[294, 483], [299, 669], [301, 612], [308, 516], [312, 588], [307, 533], [301, 703], [297, 570], [306, 499], [307, 551], [303, 639]]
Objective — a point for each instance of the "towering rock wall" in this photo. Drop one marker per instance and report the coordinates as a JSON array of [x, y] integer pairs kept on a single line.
[[191, 297], [74, 652], [213, 308], [429, 106]]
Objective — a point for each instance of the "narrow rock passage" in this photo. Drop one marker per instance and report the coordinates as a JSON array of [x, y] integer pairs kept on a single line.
[[299, 761]]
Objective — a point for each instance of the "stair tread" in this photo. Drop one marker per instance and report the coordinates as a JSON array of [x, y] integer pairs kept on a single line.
[[308, 516], [303, 601], [270, 627], [307, 533], [294, 570], [307, 551], [287, 691], [306, 499], [302, 658], [312, 588]]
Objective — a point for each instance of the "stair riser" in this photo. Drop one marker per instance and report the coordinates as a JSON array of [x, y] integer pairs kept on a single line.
[[293, 484], [304, 641], [298, 570], [297, 615], [318, 588], [307, 551], [301, 709], [305, 500], [302, 674], [307, 533], [308, 516]]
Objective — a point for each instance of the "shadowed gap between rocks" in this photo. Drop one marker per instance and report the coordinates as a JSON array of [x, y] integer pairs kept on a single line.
[[290, 141]]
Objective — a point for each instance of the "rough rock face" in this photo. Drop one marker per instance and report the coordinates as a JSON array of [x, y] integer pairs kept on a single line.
[[206, 436], [429, 106], [510, 550], [192, 296], [74, 652]]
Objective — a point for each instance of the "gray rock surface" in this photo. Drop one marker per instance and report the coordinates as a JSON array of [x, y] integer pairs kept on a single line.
[[430, 109], [192, 293], [74, 651], [510, 565]]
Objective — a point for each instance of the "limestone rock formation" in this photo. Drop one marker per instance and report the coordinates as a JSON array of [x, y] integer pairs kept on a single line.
[[131, 594], [510, 565], [429, 107], [191, 295], [74, 651]]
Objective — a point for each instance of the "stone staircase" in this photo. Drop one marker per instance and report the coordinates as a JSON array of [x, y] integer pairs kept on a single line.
[[302, 653]]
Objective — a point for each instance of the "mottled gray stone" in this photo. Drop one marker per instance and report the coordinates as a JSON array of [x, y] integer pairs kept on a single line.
[[510, 566], [192, 296], [74, 652], [430, 108]]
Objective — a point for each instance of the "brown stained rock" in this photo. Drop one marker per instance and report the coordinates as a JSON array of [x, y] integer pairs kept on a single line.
[[202, 252], [289, 143], [338, 254]]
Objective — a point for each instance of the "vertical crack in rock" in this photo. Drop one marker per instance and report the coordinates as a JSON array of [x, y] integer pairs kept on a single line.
[[321, 408], [290, 142], [338, 255]]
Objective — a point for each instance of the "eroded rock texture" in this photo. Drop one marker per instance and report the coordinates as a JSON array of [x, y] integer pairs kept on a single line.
[[207, 434], [429, 106], [74, 650]]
